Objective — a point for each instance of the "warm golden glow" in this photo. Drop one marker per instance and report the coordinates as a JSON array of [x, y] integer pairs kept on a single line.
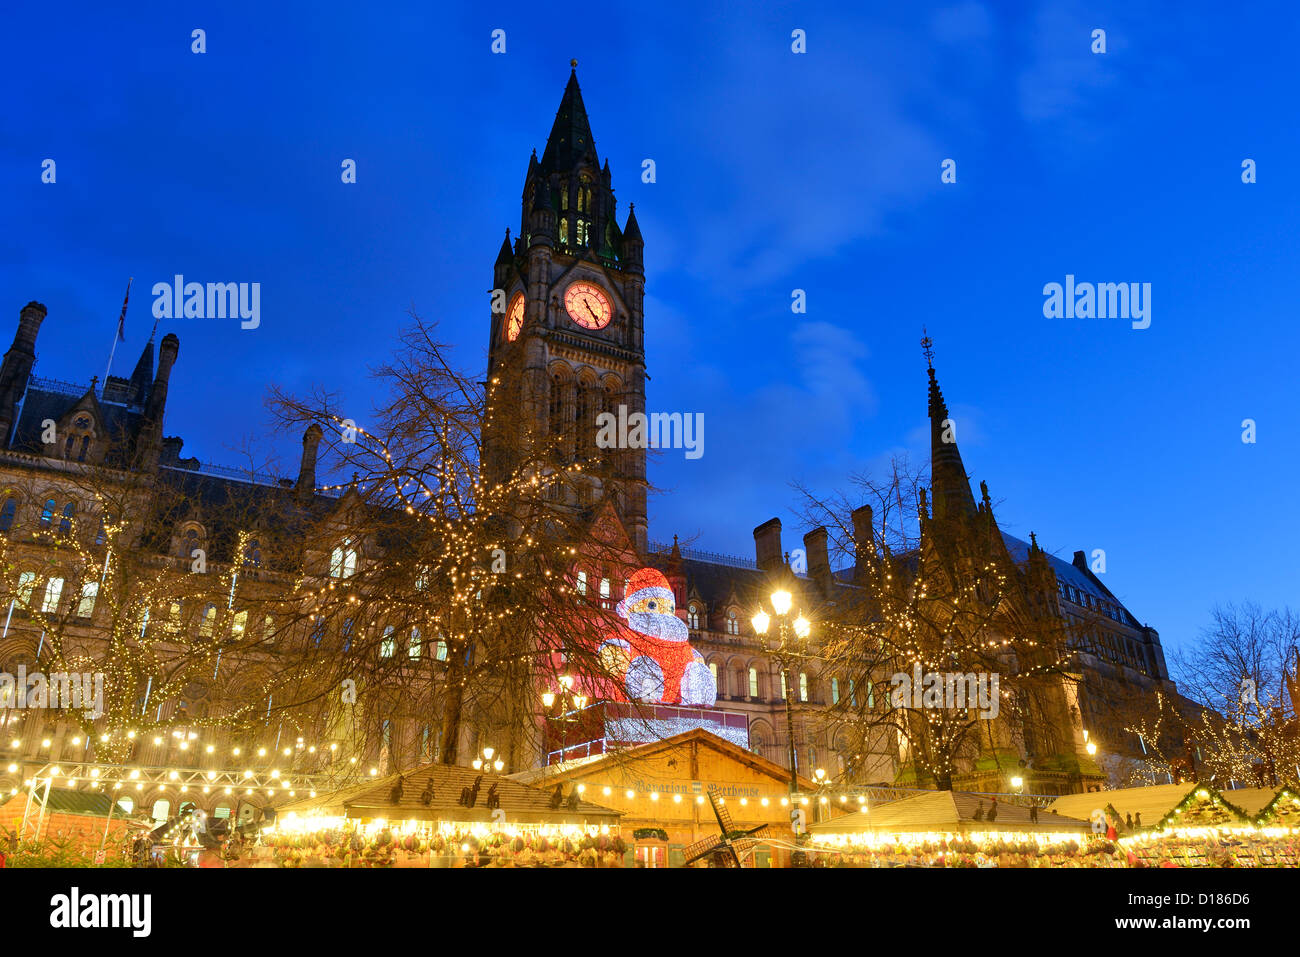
[[782, 601], [760, 622], [801, 627]]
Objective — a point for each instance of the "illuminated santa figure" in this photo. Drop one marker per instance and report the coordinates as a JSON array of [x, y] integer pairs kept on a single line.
[[652, 652]]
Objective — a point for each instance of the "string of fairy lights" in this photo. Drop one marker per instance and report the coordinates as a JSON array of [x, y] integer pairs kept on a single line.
[[460, 515]]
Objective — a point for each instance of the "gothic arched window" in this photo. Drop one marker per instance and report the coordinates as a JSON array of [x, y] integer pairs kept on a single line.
[[343, 560], [47, 513], [693, 617], [7, 513], [208, 621], [69, 510]]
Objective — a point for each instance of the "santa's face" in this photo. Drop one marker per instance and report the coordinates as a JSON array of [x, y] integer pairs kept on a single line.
[[654, 617]]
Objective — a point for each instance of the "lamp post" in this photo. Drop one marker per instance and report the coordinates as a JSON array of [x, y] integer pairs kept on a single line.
[[823, 787], [486, 763], [562, 706], [785, 643]]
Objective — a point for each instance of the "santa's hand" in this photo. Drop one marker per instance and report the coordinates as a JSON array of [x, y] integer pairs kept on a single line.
[[614, 656]]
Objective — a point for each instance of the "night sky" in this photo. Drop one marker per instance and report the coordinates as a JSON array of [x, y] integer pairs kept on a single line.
[[775, 171]]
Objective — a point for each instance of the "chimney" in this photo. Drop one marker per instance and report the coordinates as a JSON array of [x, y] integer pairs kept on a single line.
[[29, 324], [863, 539], [17, 366], [767, 545], [307, 470], [168, 350], [819, 561]]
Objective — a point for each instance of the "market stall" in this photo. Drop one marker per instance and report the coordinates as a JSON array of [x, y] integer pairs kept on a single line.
[[441, 815], [1177, 825], [958, 829]]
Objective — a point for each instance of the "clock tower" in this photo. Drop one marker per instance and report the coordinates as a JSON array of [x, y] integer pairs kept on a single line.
[[569, 343]]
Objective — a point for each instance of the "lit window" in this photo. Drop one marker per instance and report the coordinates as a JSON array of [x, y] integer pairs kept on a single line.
[[174, 615], [86, 605], [582, 583], [604, 592], [239, 625], [388, 644], [208, 621], [713, 667], [564, 232], [835, 691], [440, 650], [803, 686], [753, 682], [784, 690], [853, 693], [47, 513], [268, 628], [693, 617], [422, 578], [582, 232], [733, 623], [53, 591], [416, 648], [343, 560], [26, 585]]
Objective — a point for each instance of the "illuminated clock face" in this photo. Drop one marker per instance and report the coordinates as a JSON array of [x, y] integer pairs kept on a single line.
[[588, 305], [515, 317]]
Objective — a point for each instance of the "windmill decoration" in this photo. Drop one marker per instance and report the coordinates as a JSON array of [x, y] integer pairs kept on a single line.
[[732, 846]]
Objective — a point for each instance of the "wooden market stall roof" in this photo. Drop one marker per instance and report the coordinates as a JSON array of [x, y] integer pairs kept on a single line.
[[1155, 801], [696, 736], [945, 812], [521, 803]]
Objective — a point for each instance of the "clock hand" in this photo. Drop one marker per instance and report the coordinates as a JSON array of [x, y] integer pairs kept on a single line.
[[587, 303]]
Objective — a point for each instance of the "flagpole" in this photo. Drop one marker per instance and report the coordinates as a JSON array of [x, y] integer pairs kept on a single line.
[[119, 333]]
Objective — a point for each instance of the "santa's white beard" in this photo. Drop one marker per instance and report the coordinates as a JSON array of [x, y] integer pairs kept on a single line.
[[663, 627]]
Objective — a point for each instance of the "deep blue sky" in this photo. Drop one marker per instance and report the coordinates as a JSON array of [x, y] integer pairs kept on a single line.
[[775, 171]]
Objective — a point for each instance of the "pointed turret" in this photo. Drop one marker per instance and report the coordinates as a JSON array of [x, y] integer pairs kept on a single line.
[[633, 244], [949, 485], [142, 377], [506, 254]]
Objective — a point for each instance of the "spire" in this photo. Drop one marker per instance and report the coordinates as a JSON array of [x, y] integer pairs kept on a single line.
[[948, 481], [570, 140], [142, 377]]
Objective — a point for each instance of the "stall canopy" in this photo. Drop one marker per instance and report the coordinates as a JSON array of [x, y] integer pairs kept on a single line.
[[946, 812], [1155, 802], [438, 792]]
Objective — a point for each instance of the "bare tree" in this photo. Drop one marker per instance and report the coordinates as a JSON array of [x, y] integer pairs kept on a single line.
[[945, 602]]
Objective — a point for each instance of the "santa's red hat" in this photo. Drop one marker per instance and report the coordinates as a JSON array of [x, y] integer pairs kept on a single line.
[[645, 583]]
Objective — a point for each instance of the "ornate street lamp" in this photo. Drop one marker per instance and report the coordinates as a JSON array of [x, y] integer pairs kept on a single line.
[[786, 642]]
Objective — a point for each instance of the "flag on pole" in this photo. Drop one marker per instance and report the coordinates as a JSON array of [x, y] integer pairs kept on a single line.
[[121, 320]]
